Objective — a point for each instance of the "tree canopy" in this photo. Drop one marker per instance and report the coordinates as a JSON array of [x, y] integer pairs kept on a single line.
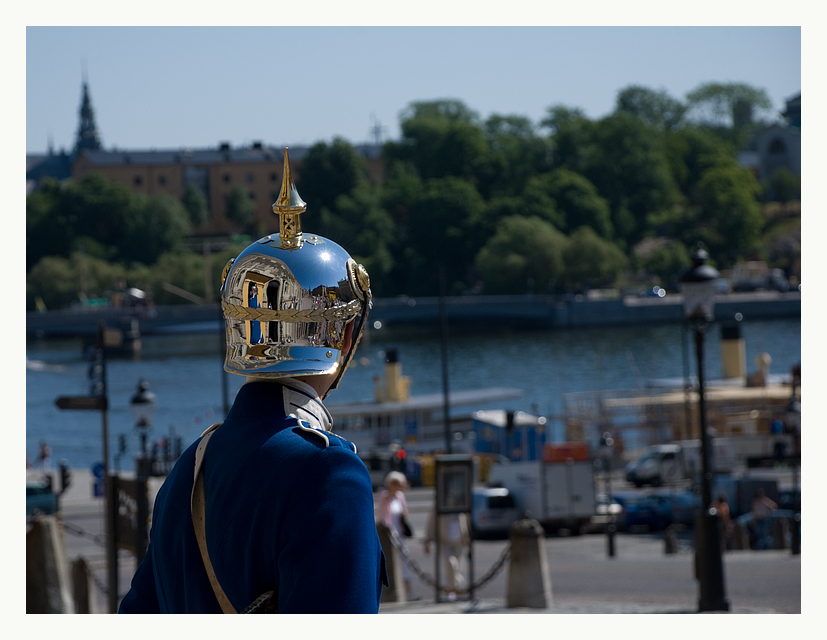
[[502, 204]]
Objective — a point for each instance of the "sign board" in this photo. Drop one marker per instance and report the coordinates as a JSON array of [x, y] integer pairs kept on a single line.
[[129, 496], [98, 488], [83, 403], [97, 469], [454, 478]]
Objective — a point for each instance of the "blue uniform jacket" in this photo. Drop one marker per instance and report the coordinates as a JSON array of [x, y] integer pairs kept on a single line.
[[289, 506]]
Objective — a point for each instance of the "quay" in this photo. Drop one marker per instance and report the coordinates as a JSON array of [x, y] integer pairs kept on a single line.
[[522, 311], [641, 578]]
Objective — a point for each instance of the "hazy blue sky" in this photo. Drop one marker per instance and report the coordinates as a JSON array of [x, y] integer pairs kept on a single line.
[[172, 87]]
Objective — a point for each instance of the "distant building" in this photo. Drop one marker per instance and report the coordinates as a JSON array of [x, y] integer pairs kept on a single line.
[[257, 168], [779, 145]]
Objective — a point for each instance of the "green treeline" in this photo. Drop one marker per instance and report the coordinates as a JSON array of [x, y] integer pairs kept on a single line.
[[503, 205]]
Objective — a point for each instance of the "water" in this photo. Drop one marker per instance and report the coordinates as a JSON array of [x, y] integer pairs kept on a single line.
[[184, 371]]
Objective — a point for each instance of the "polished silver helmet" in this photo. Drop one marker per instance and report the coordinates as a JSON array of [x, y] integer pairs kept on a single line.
[[287, 299]]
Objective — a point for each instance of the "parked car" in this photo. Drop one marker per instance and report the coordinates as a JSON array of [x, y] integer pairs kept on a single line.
[[39, 498], [656, 511], [493, 512]]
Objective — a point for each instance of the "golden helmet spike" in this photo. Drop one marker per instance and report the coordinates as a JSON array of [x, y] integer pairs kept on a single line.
[[289, 206]]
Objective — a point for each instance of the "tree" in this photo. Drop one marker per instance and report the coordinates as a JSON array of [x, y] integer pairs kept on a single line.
[[784, 185], [516, 151], [731, 108], [667, 262], [328, 171], [446, 226], [524, 254], [729, 219], [656, 108], [576, 200], [570, 135], [156, 225], [60, 281], [440, 139], [626, 160], [196, 205], [239, 207], [591, 261]]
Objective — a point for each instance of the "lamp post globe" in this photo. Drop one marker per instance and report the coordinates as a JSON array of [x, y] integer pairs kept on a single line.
[[142, 406], [699, 284]]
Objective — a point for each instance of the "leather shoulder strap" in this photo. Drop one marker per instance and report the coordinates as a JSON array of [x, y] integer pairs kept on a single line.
[[199, 521]]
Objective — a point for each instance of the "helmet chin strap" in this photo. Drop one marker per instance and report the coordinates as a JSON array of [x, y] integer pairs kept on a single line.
[[366, 304]]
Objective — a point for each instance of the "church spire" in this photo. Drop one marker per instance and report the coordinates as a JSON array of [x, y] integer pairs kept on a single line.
[[88, 137]]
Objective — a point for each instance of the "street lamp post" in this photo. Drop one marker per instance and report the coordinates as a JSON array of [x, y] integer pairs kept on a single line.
[[606, 444], [792, 421], [143, 410], [698, 286]]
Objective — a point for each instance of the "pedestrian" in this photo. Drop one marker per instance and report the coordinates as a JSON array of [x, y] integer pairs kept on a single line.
[[454, 539], [722, 509], [393, 513], [44, 458], [270, 508], [762, 508]]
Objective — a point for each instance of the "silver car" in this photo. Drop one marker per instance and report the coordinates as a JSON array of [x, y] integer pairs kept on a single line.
[[494, 511]]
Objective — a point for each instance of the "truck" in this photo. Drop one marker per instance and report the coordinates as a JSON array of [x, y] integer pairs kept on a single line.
[[559, 495], [665, 463]]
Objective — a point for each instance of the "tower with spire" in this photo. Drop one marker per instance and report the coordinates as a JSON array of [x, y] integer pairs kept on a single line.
[[88, 137]]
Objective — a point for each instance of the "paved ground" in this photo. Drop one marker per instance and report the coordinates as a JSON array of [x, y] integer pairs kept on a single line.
[[640, 578]]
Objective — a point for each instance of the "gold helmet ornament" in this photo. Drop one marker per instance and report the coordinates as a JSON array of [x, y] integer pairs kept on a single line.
[[288, 297]]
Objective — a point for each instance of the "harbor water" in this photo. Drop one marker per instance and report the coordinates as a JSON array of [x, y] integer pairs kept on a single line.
[[185, 372]]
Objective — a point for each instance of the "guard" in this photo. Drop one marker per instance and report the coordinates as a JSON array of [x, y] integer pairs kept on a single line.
[[270, 511]]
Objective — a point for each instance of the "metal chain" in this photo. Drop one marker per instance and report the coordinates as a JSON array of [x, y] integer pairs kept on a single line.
[[100, 585], [97, 539], [406, 556]]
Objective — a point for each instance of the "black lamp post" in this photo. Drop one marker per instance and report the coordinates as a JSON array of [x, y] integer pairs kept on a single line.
[[143, 410], [606, 450], [792, 421], [698, 286]]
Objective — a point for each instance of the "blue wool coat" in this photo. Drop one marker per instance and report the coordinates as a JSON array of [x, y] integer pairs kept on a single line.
[[289, 506]]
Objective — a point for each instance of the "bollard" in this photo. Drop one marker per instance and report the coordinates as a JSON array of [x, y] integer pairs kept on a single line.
[[83, 587], [670, 541], [47, 579], [393, 565], [529, 584], [610, 539]]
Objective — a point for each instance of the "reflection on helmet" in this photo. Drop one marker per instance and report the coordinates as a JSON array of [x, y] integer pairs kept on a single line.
[[287, 299]]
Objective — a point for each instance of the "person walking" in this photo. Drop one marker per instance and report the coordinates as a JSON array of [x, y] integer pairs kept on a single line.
[[270, 511], [44, 458], [454, 539], [762, 508], [722, 509], [393, 513]]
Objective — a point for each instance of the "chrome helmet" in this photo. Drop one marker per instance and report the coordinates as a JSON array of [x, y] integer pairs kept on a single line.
[[287, 299]]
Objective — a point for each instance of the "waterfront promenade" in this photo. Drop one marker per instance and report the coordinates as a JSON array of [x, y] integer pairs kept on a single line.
[[640, 578], [541, 311]]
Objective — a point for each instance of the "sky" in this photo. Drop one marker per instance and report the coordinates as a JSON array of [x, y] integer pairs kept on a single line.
[[195, 87]]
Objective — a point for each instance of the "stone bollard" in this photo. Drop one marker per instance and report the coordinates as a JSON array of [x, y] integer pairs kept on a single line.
[[529, 584], [393, 565], [83, 587], [47, 573], [670, 541]]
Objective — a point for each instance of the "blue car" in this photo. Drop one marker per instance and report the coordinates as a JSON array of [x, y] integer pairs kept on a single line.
[[39, 498]]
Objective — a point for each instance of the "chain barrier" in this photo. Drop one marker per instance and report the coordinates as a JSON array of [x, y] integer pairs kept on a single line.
[[414, 566], [100, 585], [96, 538]]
